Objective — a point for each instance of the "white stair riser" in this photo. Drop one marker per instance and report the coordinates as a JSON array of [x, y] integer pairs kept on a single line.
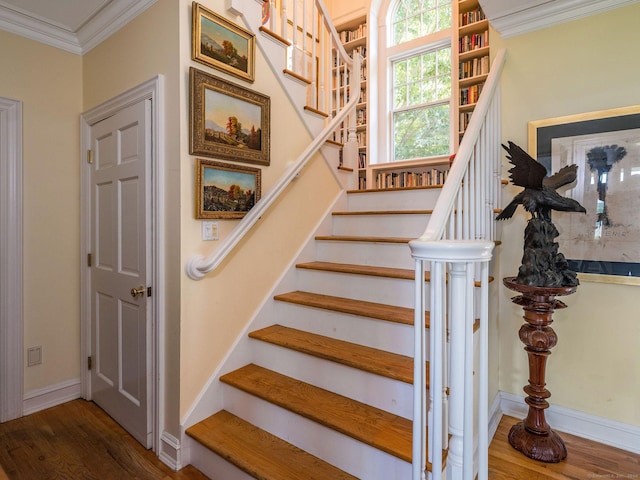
[[390, 291], [397, 255], [342, 451], [418, 199], [214, 466], [381, 392], [380, 334], [399, 225]]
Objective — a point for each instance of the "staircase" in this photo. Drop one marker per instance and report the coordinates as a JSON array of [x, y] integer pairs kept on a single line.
[[328, 391], [331, 380]]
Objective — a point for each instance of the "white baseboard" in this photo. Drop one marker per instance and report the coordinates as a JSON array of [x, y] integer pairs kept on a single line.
[[598, 429], [170, 452], [50, 396]]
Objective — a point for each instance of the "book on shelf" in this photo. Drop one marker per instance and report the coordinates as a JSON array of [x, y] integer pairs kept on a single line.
[[427, 178], [473, 16], [474, 67], [362, 159], [347, 36], [469, 95], [473, 41]]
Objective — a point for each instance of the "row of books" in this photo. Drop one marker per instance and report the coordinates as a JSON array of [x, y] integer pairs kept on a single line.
[[470, 95], [468, 43], [465, 118], [428, 178], [471, 17], [362, 159], [351, 35], [362, 50], [361, 117], [474, 67]]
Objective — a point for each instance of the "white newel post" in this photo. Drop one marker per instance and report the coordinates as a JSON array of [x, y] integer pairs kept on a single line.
[[461, 257]]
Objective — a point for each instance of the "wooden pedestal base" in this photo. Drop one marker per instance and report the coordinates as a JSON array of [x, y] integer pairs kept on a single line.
[[533, 436]]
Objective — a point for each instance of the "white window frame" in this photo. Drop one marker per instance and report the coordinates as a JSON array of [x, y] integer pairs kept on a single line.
[[385, 57]]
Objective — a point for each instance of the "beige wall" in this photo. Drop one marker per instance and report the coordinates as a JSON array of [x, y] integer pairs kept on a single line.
[[581, 66], [216, 309], [145, 47], [48, 82]]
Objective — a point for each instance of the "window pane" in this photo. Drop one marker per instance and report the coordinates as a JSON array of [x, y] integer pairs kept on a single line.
[[400, 97], [423, 132], [417, 18]]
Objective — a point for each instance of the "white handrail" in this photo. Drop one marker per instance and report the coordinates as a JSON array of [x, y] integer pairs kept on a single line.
[[459, 236], [446, 200], [198, 265]]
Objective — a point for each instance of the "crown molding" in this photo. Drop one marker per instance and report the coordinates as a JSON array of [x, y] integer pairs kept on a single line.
[[510, 20], [110, 19]]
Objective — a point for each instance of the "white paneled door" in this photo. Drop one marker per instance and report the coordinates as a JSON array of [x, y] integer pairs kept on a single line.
[[120, 276]]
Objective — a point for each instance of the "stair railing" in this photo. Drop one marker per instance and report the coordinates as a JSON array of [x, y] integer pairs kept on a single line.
[[305, 27], [458, 243]]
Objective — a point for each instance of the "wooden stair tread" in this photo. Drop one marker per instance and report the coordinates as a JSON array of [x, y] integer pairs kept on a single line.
[[379, 311], [258, 453], [368, 359], [382, 430], [387, 272], [368, 239]]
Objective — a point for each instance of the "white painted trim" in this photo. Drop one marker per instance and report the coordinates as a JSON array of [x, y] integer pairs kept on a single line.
[[598, 429], [111, 18], [153, 90], [511, 22], [51, 396], [11, 286], [170, 451]]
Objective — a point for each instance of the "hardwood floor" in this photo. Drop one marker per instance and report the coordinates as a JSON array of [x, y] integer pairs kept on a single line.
[[77, 440], [585, 460]]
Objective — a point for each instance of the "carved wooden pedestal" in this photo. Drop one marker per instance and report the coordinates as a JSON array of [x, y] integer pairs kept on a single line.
[[533, 436]]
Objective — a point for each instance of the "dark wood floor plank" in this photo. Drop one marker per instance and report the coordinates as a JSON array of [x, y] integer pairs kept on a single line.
[[78, 441], [585, 460]]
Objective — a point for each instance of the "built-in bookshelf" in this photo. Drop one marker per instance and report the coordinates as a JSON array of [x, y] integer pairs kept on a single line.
[[429, 173], [473, 59], [353, 34]]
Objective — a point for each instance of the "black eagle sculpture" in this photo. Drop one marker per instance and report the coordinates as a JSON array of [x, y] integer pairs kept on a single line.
[[542, 264], [539, 196]]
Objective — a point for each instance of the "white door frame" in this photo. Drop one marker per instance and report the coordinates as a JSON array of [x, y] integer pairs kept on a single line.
[[152, 90], [11, 288]]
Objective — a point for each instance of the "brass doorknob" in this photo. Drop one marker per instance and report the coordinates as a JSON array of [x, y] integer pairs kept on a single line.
[[137, 292]]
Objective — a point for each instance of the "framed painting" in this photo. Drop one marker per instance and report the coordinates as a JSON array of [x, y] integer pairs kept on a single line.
[[604, 244], [221, 44], [224, 190], [227, 121]]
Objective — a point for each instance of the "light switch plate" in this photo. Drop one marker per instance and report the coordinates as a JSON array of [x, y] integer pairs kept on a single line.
[[209, 230]]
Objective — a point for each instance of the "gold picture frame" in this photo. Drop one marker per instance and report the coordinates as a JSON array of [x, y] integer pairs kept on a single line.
[[603, 245], [224, 190], [221, 44], [228, 121]]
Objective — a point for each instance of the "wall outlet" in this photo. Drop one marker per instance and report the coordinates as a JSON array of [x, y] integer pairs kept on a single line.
[[34, 356], [209, 230]]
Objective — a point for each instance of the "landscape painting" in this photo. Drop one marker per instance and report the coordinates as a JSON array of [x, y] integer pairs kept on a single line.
[[228, 121], [221, 44], [225, 191]]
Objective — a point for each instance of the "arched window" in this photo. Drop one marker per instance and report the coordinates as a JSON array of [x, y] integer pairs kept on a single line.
[[416, 79]]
